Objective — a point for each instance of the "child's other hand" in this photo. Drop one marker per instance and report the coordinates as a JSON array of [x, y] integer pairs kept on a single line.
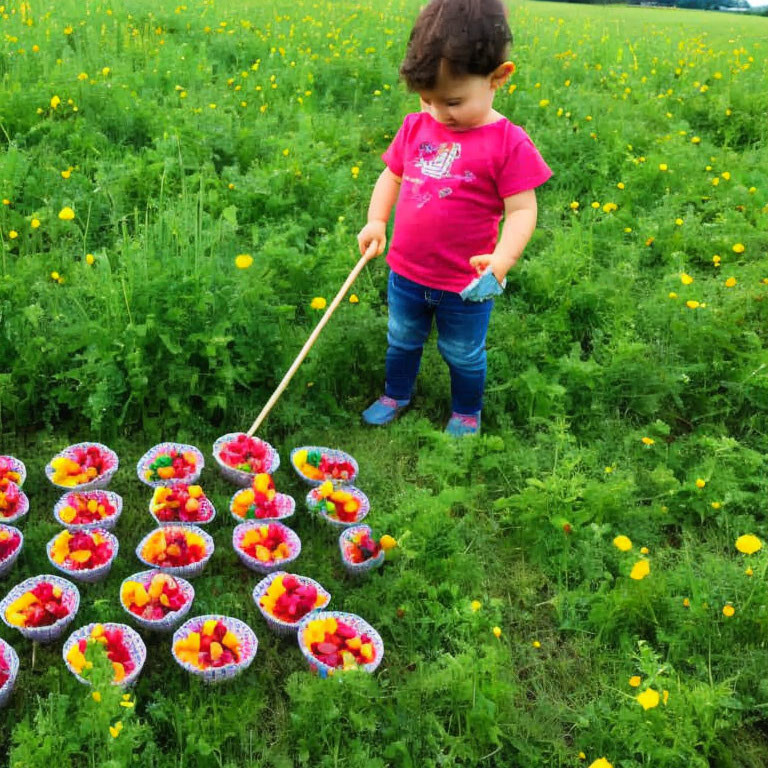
[[481, 263], [372, 238]]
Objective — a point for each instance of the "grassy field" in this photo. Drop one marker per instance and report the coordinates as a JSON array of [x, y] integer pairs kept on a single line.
[[627, 391]]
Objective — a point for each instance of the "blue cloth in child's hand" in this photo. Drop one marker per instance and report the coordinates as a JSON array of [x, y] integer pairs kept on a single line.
[[484, 287]]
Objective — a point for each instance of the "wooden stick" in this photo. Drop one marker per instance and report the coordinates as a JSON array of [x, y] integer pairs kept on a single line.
[[367, 256]]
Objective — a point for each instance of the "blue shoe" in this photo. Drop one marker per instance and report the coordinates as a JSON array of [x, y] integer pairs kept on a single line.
[[463, 424], [384, 410]]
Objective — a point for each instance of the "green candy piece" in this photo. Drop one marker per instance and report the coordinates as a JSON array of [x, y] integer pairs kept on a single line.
[[163, 460], [313, 458], [330, 506], [244, 467]]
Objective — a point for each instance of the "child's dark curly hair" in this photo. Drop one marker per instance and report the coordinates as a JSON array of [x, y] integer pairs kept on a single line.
[[472, 37]]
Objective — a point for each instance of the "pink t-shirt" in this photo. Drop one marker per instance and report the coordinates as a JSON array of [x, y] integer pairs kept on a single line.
[[452, 194]]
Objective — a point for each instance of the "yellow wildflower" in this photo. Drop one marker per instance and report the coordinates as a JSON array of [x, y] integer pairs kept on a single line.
[[685, 279], [738, 248], [623, 543], [648, 699], [475, 605], [243, 260], [648, 440], [66, 213], [353, 299], [640, 570], [728, 611], [497, 631], [748, 544], [700, 483], [318, 303], [730, 282], [35, 223], [574, 206], [635, 681]]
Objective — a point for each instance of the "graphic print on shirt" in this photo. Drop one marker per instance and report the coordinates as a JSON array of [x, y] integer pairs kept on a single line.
[[435, 160]]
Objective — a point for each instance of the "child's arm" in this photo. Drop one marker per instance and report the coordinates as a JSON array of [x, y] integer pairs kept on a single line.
[[383, 198], [519, 222]]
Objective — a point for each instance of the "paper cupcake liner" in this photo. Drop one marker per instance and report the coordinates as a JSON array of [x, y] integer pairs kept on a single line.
[[7, 564], [12, 660], [278, 626], [17, 465], [70, 598], [107, 523], [156, 450], [170, 620], [21, 508], [294, 542], [358, 568], [238, 476], [102, 481], [205, 504], [317, 506], [333, 454], [187, 571], [87, 575], [136, 649], [286, 507], [248, 646], [355, 621]]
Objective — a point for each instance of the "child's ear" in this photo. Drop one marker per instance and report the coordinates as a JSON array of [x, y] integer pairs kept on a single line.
[[500, 75]]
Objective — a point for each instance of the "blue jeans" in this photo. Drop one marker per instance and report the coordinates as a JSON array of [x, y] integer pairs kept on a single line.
[[461, 330]]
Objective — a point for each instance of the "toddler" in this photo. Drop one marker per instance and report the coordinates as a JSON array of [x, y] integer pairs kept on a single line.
[[454, 169]]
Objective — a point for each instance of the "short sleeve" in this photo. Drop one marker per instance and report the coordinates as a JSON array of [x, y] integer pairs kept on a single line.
[[522, 167], [394, 156]]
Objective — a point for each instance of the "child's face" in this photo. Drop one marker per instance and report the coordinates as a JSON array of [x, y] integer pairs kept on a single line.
[[463, 102]]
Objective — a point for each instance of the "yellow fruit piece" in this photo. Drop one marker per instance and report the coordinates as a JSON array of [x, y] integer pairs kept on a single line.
[[98, 539], [102, 510], [56, 592], [192, 505], [156, 586], [92, 505], [80, 555], [263, 554], [23, 602], [16, 619], [174, 550], [166, 472], [127, 592], [351, 506], [190, 458], [320, 600], [119, 671], [387, 542], [209, 626], [164, 600], [261, 482], [366, 651], [195, 491], [300, 458], [230, 641], [194, 539], [331, 625], [68, 514], [97, 631], [216, 650], [140, 596], [76, 658], [354, 643], [326, 489]]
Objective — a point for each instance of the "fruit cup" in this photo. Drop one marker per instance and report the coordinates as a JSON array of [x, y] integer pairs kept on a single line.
[[82, 467], [241, 457], [87, 510], [265, 547], [360, 552], [315, 465], [14, 503], [11, 542], [170, 463], [261, 501], [334, 641], [181, 550], [84, 555], [124, 648], [155, 600], [214, 647], [9, 668], [41, 607], [340, 507], [13, 470], [181, 503], [284, 599]]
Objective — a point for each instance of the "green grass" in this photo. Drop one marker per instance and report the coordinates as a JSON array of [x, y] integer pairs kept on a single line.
[[163, 338]]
